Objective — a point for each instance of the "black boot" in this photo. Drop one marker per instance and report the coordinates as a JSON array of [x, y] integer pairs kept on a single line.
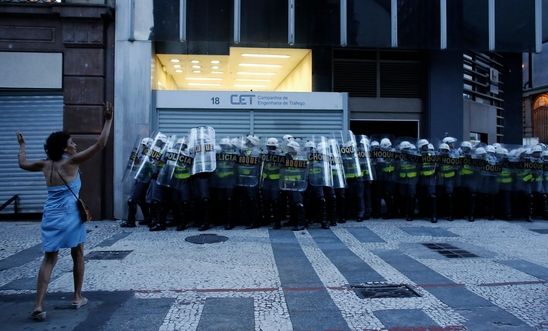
[[179, 213], [433, 209], [529, 210], [472, 207], [545, 205], [229, 225], [131, 212], [410, 208], [205, 211], [157, 222], [300, 220], [322, 211], [450, 207], [491, 207]]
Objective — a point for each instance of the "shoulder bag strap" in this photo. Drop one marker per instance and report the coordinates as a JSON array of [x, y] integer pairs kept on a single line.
[[66, 184]]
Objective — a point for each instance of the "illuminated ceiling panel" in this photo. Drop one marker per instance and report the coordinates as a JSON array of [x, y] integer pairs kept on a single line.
[[257, 69]]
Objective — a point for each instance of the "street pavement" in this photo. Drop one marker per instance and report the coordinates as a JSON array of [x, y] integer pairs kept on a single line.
[[486, 275]]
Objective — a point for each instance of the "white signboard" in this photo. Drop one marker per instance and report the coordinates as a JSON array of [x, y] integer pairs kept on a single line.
[[248, 100]]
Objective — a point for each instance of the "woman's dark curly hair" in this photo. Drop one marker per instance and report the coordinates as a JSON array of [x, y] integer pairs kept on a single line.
[[56, 144]]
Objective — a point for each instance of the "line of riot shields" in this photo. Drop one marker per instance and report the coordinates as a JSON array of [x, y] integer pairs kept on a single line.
[[201, 180]]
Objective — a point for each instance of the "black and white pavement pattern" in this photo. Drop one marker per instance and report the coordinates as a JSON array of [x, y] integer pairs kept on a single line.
[[265, 279]]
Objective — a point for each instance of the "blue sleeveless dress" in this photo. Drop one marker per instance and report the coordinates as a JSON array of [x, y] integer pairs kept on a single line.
[[61, 225]]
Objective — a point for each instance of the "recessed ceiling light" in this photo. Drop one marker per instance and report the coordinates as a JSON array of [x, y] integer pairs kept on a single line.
[[202, 78], [196, 67], [178, 71], [250, 73], [196, 71], [177, 66], [267, 56], [217, 72], [253, 80], [175, 60], [203, 84], [215, 62], [259, 65], [215, 67], [194, 61]]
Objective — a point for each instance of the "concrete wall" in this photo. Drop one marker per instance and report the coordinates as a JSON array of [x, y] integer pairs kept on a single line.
[[480, 118]]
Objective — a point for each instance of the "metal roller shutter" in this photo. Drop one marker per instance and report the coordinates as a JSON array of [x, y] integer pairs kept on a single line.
[[226, 122], [300, 123], [36, 117]]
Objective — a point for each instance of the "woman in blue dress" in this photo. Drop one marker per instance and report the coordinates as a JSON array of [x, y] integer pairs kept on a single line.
[[61, 225]]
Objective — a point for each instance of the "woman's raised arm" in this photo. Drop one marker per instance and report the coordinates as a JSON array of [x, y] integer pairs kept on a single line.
[[23, 163], [89, 152]]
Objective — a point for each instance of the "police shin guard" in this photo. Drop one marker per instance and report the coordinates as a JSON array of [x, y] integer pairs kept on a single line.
[[299, 217], [145, 209], [205, 215], [433, 209], [491, 200], [131, 212], [157, 222]]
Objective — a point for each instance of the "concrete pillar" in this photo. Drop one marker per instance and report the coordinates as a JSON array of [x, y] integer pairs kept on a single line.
[[444, 104], [133, 92], [513, 116]]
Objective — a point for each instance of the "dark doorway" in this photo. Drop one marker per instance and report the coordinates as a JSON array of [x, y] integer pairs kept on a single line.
[[394, 128]]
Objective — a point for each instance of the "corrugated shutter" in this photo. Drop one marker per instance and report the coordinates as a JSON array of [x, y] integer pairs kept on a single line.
[[225, 122], [300, 123], [232, 123], [36, 117]]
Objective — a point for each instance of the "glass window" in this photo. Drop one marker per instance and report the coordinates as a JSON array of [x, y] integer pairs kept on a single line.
[[166, 20], [369, 23], [209, 20], [263, 22], [317, 22], [467, 24], [419, 23], [515, 25]]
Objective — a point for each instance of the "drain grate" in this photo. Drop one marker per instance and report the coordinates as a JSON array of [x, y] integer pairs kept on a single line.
[[375, 291], [541, 231], [107, 255], [449, 250], [206, 238]]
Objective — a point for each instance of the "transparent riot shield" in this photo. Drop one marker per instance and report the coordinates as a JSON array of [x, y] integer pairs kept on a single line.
[[384, 156], [272, 161], [408, 162], [294, 172], [337, 167], [319, 171], [183, 166], [249, 161], [169, 160], [349, 154], [364, 156], [489, 171], [449, 165], [152, 160], [202, 146], [225, 175], [136, 157]]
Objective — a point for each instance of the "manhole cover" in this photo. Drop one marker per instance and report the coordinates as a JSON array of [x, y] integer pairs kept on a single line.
[[107, 255], [449, 250], [541, 231], [375, 291], [206, 238]]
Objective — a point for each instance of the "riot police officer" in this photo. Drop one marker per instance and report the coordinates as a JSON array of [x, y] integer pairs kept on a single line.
[[272, 162], [158, 195], [319, 176], [140, 183], [386, 172], [224, 180], [248, 180], [427, 179], [505, 182], [293, 179], [408, 177], [354, 200], [467, 181], [447, 178]]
